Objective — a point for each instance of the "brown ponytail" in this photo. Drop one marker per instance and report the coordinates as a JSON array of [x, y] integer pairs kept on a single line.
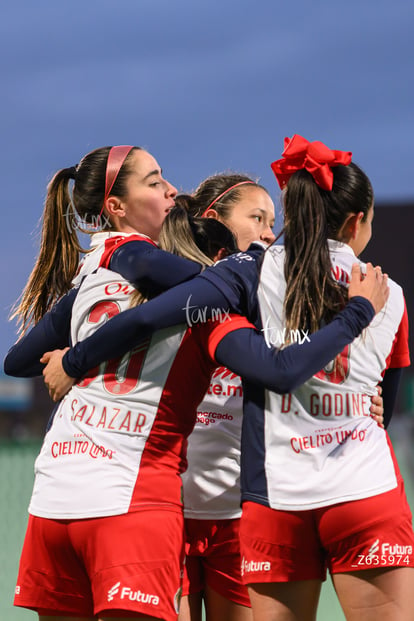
[[58, 258], [312, 215]]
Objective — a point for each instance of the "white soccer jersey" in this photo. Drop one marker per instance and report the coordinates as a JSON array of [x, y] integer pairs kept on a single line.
[[211, 483], [118, 438], [320, 445]]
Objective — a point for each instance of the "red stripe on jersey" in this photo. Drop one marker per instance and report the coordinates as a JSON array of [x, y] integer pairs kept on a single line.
[[113, 243], [399, 355], [225, 327], [164, 455]]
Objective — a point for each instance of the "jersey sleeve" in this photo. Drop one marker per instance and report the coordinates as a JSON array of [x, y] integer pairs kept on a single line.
[[212, 333], [244, 351], [390, 385], [51, 332], [147, 267], [237, 277], [400, 354]]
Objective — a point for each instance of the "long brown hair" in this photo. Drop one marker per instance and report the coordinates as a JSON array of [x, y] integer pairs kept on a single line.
[[63, 215], [312, 215]]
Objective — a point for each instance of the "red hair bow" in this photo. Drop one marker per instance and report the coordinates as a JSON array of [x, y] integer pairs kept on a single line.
[[315, 157]]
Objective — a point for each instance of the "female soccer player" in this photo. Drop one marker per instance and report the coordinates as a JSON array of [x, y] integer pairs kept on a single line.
[[122, 190], [105, 534], [211, 483]]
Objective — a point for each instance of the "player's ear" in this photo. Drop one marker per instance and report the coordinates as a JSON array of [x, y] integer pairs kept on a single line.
[[350, 228], [114, 207], [211, 213], [223, 252], [355, 224]]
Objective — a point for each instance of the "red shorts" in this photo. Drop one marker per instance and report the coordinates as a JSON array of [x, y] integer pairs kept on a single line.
[[283, 546], [126, 564], [213, 558]]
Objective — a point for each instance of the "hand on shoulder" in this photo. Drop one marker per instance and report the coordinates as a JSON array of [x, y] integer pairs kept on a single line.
[[373, 285]]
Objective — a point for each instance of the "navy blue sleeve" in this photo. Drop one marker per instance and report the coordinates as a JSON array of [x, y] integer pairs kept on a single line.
[[150, 269], [246, 353], [237, 277], [51, 332], [390, 385], [188, 303]]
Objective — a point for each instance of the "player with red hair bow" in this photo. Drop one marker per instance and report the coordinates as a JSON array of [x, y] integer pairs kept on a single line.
[[315, 157]]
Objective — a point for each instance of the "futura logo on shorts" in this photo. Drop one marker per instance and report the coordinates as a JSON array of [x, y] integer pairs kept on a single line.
[[374, 548], [251, 566], [388, 548], [113, 591], [134, 596], [385, 554]]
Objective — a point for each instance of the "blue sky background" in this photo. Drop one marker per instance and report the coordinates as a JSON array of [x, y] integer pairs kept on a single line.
[[205, 86]]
